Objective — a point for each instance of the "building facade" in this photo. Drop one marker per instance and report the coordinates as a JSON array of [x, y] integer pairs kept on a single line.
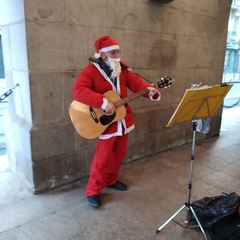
[[232, 61]]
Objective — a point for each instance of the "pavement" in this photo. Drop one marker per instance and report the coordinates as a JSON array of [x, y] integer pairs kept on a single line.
[[157, 188]]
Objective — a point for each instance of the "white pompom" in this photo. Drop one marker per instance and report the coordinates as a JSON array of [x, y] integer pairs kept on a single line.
[[97, 55]]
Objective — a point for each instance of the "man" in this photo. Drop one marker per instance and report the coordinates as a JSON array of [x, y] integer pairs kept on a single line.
[[108, 72]]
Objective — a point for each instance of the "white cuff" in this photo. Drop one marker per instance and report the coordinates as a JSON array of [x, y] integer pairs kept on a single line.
[[155, 99], [105, 103]]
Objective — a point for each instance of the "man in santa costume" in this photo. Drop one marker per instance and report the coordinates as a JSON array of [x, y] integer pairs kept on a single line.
[[108, 72]]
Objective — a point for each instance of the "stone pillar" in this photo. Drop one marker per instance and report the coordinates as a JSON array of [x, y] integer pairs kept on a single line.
[[54, 52]]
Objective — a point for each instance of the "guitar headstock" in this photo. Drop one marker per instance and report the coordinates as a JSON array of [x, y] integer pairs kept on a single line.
[[164, 82]]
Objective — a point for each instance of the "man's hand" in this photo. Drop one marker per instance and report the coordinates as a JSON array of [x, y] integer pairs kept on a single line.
[[110, 109], [153, 91]]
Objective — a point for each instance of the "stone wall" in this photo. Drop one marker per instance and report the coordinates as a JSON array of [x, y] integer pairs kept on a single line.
[[183, 39]]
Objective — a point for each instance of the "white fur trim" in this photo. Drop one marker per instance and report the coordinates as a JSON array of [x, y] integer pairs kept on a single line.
[[97, 55], [105, 103], [106, 49]]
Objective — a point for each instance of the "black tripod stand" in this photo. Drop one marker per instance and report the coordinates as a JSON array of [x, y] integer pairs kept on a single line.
[[188, 203]]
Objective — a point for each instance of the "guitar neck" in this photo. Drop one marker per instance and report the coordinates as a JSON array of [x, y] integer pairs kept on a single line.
[[162, 83], [123, 101]]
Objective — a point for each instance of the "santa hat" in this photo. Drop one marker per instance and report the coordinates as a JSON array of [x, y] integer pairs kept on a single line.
[[105, 44]]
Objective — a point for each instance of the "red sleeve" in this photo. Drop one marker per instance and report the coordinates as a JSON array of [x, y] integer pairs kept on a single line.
[[84, 88]]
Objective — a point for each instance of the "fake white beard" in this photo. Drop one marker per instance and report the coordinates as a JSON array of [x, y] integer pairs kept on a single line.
[[114, 64]]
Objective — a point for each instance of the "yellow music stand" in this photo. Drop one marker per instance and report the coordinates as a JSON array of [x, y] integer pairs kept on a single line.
[[197, 103]]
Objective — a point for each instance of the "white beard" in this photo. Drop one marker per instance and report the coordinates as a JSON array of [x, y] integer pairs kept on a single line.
[[114, 64]]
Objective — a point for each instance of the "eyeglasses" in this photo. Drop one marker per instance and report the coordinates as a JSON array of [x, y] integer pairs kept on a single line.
[[114, 52]]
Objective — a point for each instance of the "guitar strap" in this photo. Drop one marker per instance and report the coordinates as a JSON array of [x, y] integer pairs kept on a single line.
[[98, 60], [104, 67], [104, 74], [106, 71]]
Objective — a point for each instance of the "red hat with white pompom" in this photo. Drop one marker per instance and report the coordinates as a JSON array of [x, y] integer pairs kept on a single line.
[[105, 44]]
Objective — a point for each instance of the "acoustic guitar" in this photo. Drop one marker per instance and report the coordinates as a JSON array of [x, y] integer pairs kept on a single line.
[[91, 122]]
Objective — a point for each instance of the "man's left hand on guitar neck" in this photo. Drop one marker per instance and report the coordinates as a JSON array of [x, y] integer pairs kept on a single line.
[[154, 93]]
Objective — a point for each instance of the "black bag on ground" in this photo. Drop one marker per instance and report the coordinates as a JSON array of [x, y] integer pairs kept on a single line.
[[228, 228], [209, 210]]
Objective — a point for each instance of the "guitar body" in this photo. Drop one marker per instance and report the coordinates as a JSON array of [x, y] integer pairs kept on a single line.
[[91, 122]]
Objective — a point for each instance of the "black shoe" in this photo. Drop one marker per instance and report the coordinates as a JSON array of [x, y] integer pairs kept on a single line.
[[94, 201], [119, 186]]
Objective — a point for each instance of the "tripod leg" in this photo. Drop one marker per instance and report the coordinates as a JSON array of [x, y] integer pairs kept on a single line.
[[199, 224], [171, 218]]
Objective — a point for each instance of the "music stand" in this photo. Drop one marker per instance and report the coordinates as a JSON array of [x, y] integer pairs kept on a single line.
[[197, 103]]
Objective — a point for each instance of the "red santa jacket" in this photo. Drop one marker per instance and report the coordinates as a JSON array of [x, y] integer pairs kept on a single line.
[[92, 83]]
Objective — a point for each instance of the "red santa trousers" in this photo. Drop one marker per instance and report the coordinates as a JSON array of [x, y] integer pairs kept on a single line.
[[106, 163]]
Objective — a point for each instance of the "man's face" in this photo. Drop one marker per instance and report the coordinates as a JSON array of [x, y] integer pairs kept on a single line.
[[112, 54], [112, 59]]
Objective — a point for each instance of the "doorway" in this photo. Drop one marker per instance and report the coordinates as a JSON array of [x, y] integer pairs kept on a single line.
[[3, 106], [231, 73]]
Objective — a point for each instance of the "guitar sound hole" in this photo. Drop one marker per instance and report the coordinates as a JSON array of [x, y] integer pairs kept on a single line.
[[106, 119]]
